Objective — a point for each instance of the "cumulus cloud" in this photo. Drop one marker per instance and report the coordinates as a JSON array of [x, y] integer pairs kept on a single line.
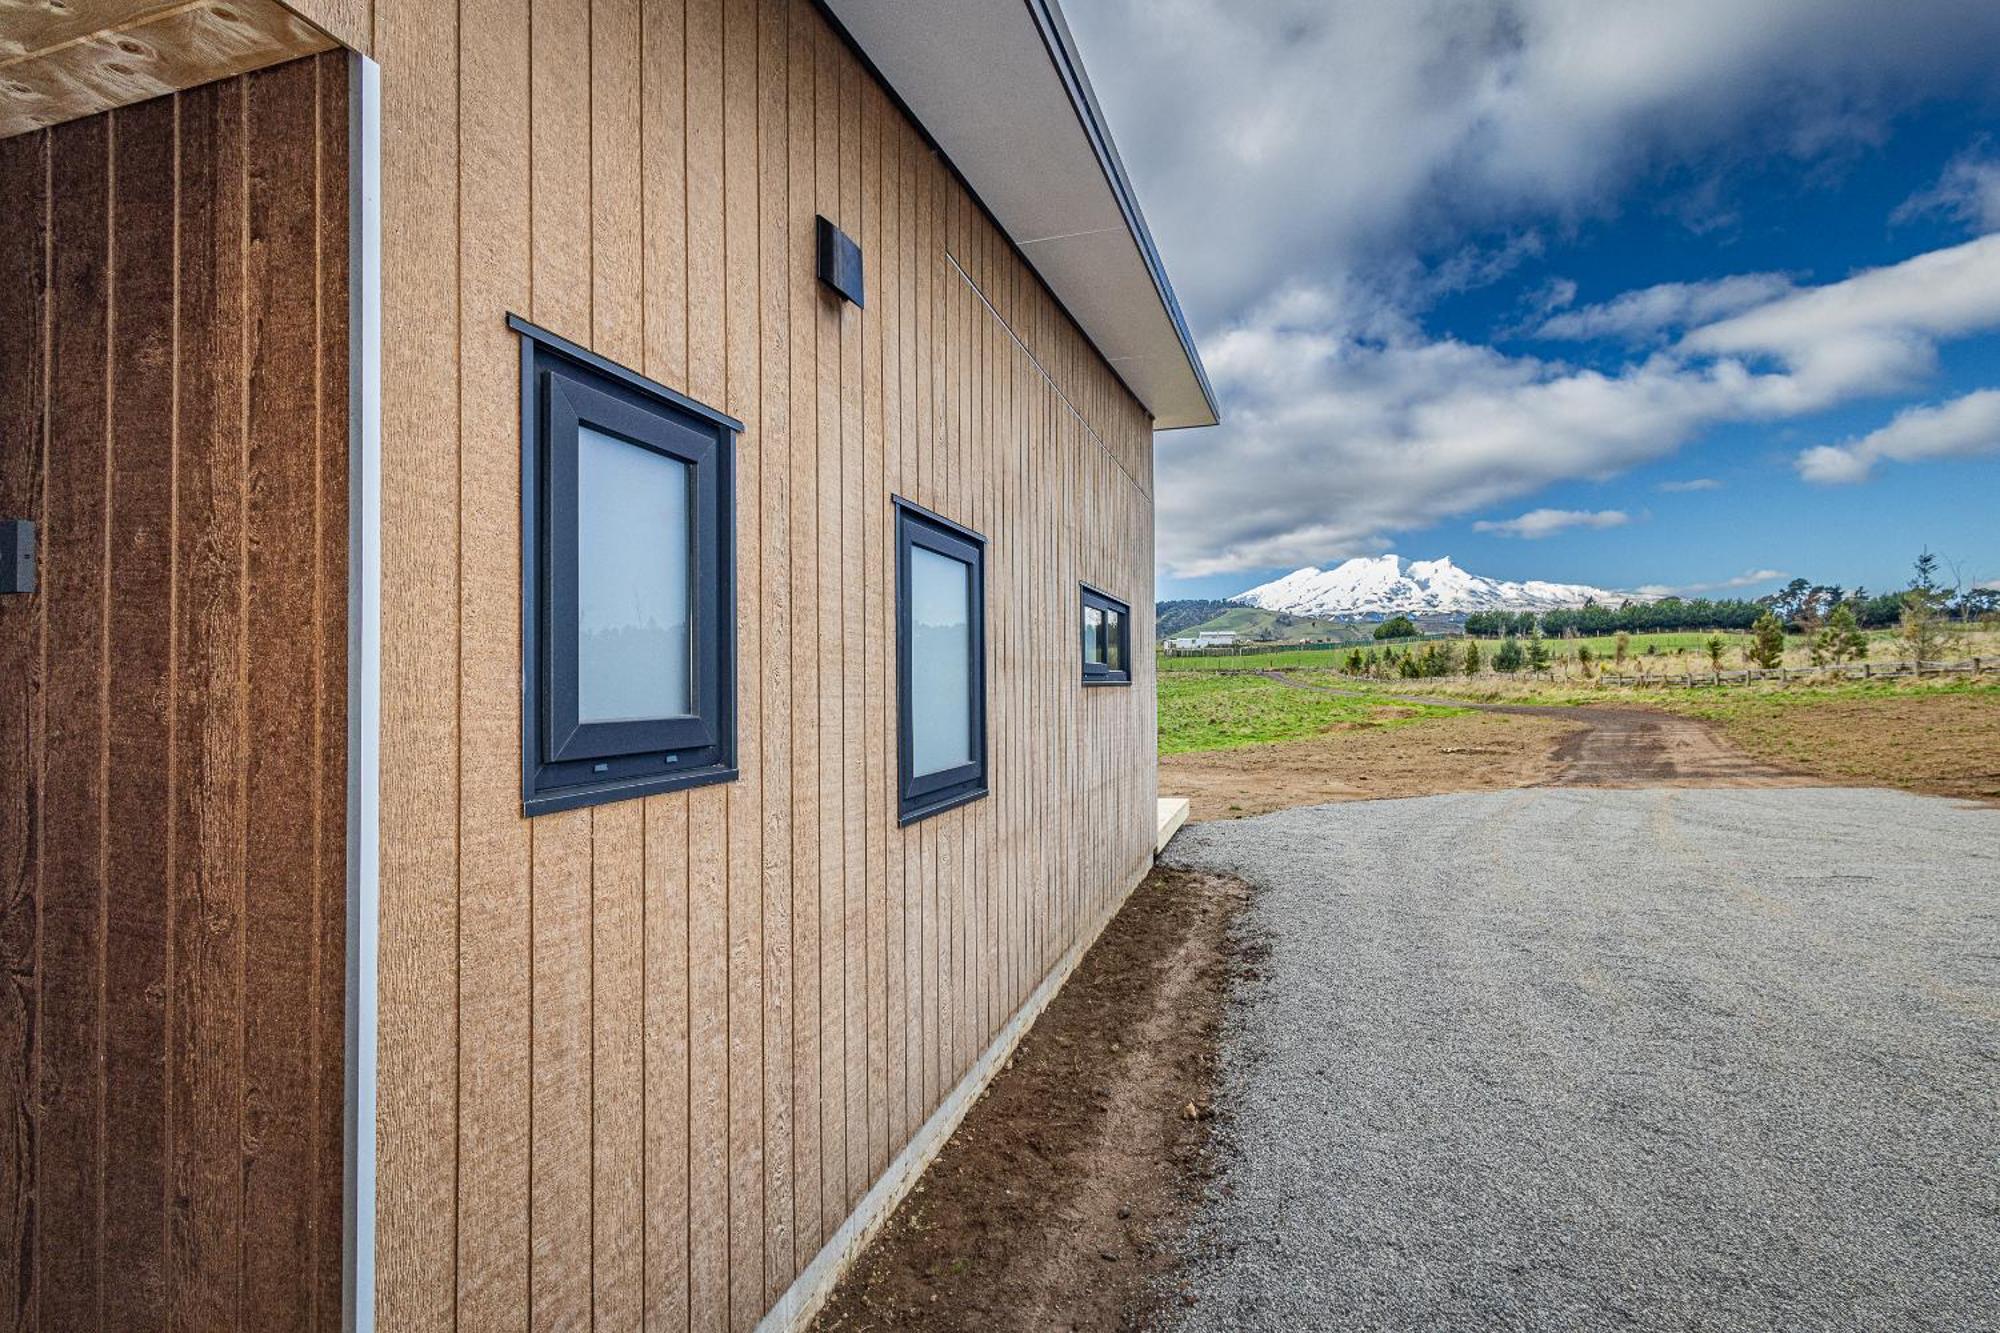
[[1690, 484], [1670, 306], [1539, 523], [1968, 192], [1961, 428], [1318, 172], [1749, 578], [1321, 136], [1872, 333], [1337, 438]]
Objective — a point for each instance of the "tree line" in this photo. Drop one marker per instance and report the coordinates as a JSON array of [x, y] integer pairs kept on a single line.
[[1801, 607], [1832, 626]]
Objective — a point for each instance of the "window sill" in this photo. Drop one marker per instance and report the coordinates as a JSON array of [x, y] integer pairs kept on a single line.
[[625, 789], [939, 805]]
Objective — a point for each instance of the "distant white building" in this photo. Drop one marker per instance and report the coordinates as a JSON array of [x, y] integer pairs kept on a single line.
[[1208, 638]]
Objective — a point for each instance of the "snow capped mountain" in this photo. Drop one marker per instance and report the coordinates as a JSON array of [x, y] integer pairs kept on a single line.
[[1390, 585]]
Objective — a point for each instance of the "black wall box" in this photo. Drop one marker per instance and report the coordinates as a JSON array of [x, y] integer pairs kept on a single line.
[[840, 262]]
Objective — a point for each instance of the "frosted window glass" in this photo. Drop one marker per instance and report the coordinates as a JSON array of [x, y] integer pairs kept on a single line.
[[1093, 635], [632, 579], [940, 662]]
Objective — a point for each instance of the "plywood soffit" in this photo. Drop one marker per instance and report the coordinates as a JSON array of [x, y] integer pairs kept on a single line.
[[61, 62]]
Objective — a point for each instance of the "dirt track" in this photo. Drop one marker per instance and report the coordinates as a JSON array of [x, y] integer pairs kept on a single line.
[[1623, 747]]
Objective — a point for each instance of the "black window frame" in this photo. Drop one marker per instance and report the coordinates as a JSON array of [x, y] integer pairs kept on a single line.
[[567, 763], [934, 793], [1100, 673]]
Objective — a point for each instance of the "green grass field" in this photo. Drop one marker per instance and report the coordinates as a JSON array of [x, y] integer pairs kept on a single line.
[[1263, 660], [1212, 712], [1252, 622]]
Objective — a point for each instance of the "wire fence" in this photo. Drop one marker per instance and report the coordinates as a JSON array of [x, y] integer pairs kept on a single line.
[[1692, 680]]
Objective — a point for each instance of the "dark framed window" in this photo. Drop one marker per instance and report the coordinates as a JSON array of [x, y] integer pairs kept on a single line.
[[1107, 639], [628, 566], [940, 663]]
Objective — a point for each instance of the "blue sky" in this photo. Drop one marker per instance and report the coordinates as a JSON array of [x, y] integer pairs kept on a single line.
[[1692, 297]]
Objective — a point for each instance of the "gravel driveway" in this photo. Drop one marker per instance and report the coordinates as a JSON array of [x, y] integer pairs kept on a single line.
[[1590, 1059]]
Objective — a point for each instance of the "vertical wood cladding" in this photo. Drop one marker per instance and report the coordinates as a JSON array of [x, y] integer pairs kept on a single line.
[[639, 1061], [173, 399]]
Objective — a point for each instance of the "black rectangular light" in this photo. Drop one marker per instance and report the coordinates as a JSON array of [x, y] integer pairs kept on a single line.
[[840, 262], [17, 555]]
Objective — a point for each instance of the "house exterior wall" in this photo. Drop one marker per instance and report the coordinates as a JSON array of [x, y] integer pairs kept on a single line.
[[638, 1062], [173, 415]]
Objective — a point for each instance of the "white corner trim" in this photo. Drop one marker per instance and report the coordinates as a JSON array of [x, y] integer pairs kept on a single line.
[[804, 1297], [1173, 814], [364, 680]]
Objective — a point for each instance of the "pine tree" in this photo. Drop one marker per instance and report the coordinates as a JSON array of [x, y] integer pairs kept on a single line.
[[1840, 639], [1921, 638], [1767, 648], [1508, 657], [1471, 657], [1925, 580], [1538, 653]]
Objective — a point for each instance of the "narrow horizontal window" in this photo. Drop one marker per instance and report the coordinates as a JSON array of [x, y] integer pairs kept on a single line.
[[629, 592], [1107, 639], [940, 662]]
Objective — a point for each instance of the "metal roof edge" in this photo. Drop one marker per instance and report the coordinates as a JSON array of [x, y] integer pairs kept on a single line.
[[1054, 33], [1061, 47]]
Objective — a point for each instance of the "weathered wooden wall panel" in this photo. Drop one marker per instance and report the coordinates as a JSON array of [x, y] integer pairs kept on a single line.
[[173, 709], [643, 1059]]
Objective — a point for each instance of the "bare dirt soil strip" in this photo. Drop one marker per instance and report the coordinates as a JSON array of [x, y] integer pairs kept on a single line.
[[1466, 752], [1626, 747], [1943, 743], [1058, 1203]]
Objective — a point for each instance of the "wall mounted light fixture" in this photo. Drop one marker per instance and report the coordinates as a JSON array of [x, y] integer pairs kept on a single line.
[[840, 262]]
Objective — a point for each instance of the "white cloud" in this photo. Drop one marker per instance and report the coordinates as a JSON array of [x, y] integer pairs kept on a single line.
[[1319, 172], [1320, 137], [1556, 294], [1961, 428], [1338, 437], [1691, 484], [1875, 332], [1654, 311], [1539, 523], [1969, 192], [1749, 578]]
